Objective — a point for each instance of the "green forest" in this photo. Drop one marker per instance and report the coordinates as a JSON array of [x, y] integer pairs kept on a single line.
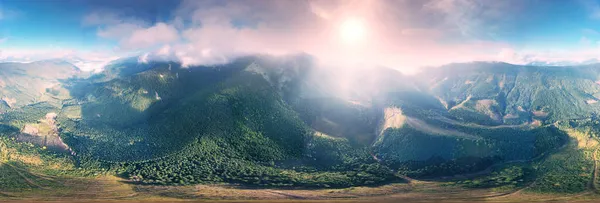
[[270, 122]]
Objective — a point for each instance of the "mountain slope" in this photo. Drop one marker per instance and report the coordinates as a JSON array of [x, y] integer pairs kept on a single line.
[[503, 93], [23, 84], [283, 121], [167, 118]]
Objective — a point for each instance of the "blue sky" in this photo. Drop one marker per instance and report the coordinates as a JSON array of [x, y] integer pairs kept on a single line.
[[403, 34], [31, 23], [45, 23]]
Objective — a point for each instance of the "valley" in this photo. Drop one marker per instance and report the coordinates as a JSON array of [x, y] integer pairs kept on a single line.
[[269, 128]]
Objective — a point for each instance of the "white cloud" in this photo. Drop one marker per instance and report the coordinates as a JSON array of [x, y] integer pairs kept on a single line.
[[158, 34], [2, 40], [93, 66], [405, 35], [164, 51], [131, 33], [393, 37]]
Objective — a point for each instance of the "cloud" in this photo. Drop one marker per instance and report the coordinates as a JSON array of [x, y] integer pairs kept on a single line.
[[158, 34], [2, 40], [131, 32], [401, 34]]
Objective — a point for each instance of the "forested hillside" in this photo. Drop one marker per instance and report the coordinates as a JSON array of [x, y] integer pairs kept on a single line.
[[284, 121]]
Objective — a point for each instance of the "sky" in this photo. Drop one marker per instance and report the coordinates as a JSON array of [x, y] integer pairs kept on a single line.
[[402, 34]]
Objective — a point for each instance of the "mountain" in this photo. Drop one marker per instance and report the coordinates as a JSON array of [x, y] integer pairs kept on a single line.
[[27, 83], [239, 118], [504, 93], [286, 122]]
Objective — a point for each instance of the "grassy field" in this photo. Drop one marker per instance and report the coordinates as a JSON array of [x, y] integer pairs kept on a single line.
[[111, 189], [32, 186]]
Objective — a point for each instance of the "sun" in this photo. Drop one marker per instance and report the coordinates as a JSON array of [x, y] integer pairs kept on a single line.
[[352, 31]]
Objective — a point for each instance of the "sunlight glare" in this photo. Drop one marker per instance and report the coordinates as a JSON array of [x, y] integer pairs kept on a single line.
[[352, 31]]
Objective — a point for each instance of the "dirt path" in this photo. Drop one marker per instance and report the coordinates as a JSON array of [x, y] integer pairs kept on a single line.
[[37, 175], [29, 182], [290, 196]]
